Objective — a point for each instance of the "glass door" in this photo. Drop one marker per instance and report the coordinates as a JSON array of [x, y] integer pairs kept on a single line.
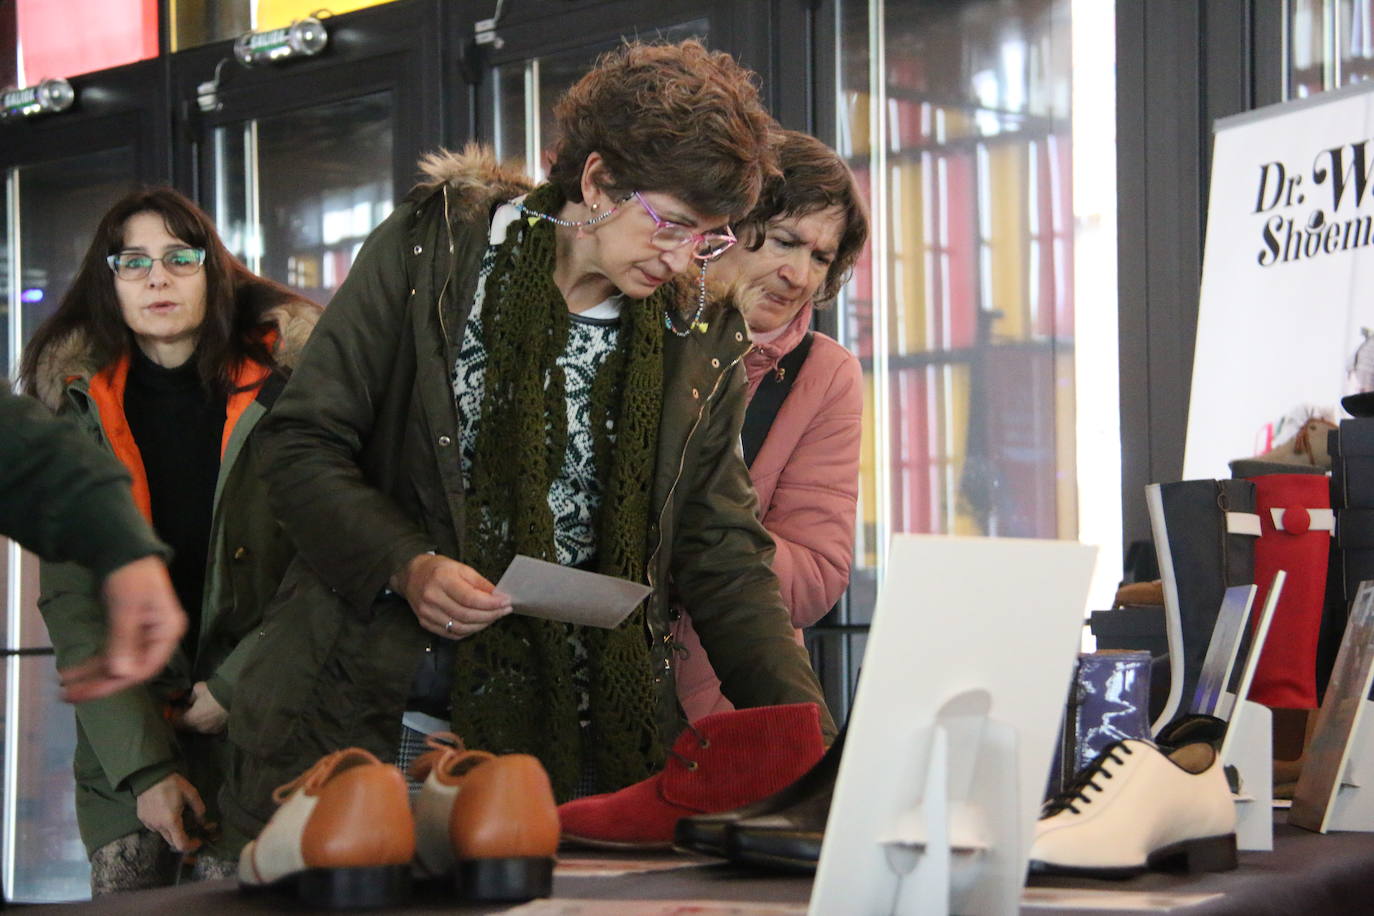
[[59, 177], [298, 162], [521, 93], [304, 228], [542, 48], [984, 310]]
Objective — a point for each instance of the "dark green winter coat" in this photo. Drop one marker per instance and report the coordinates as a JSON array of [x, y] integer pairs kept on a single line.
[[364, 467], [125, 744]]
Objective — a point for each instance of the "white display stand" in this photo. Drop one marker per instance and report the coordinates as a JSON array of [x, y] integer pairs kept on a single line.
[[1249, 741], [1249, 747], [1336, 788], [953, 726], [1353, 808]]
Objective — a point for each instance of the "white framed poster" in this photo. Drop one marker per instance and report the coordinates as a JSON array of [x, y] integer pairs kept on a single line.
[[1288, 260]]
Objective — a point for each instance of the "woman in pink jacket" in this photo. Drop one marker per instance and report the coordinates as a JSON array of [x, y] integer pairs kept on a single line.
[[796, 249]]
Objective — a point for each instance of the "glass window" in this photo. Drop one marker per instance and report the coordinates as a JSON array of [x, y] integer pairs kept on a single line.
[[199, 22], [1330, 44], [304, 228], [59, 204], [524, 93], [988, 177], [1357, 41], [112, 33], [52, 209]]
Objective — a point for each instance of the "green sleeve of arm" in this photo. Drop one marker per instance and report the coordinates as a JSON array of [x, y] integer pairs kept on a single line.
[[352, 534], [148, 777], [221, 684], [129, 736], [62, 496], [721, 560], [126, 731]]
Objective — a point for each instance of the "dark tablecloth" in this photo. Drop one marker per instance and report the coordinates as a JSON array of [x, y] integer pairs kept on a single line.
[[1307, 873]]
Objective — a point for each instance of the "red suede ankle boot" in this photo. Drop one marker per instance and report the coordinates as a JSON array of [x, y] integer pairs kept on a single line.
[[724, 761]]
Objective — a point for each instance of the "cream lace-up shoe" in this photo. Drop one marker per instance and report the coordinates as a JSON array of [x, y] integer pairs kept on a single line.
[[1133, 808], [343, 835]]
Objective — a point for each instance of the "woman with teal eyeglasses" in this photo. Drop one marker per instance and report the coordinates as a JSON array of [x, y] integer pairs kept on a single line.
[[168, 351]]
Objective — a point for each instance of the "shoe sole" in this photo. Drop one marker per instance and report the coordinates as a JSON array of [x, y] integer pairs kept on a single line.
[[774, 862], [1204, 854], [342, 888], [512, 880]]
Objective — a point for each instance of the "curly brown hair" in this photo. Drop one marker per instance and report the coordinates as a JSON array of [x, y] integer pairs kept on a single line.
[[813, 177], [674, 118]]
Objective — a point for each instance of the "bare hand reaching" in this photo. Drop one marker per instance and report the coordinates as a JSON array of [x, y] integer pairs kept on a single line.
[[204, 715], [145, 623], [160, 809]]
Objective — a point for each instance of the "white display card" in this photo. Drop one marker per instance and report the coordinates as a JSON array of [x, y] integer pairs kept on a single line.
[[954, 722], [1227, 635]]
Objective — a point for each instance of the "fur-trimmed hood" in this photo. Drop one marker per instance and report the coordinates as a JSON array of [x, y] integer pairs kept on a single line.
[[71, 357], [478, 179]]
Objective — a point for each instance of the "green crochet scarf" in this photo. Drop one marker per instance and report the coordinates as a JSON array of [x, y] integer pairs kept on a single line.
[[513, 688]]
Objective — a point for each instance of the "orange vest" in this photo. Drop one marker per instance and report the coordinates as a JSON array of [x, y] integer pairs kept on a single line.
[[107, 391]]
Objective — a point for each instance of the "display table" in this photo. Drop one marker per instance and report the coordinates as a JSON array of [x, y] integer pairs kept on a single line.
[[1306, 873]]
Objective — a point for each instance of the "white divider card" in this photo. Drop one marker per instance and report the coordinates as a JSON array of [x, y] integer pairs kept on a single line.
[[1336, 788], [1173, 621], [953, 725], [1229, 708], [1248, 745], [1221, 651]]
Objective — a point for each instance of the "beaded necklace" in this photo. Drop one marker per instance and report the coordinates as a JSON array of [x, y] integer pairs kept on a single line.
[[701, 307]]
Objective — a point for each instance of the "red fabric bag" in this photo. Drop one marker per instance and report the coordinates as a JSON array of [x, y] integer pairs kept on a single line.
[[1296, 524]]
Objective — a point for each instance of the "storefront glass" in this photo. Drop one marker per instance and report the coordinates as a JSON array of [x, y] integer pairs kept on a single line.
[[523, 93], [296, 194], [51, 214], [1330, 44], [199, 22], [967, 125], [40, 42]]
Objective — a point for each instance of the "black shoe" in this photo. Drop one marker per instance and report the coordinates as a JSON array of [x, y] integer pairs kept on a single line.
[[708, 833], [787, 840]]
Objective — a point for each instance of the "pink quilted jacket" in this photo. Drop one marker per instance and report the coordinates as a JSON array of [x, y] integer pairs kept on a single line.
[[807, 478]]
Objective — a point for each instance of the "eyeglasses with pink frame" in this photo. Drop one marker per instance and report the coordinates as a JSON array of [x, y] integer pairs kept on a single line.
[[670, 236]]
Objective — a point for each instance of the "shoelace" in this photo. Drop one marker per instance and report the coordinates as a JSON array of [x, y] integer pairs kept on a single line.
[[439, 744], [316, 776], [1077, 790], [702, 742]]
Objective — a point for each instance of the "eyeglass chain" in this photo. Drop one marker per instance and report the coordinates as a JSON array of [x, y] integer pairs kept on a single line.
[[667, 315]]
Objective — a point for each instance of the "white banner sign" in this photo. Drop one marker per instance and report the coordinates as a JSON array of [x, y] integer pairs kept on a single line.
[[1290, 243]]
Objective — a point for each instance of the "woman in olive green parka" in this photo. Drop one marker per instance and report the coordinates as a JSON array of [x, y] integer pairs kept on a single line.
[[383, 480], [168, 352]]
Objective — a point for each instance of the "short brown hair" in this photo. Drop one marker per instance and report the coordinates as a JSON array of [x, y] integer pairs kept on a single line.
[[812, 177], [674, 118]]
